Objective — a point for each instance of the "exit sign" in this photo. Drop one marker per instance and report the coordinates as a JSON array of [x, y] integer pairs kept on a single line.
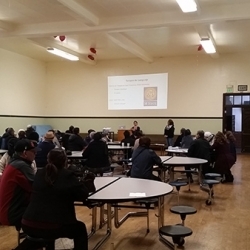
[[242, 87]]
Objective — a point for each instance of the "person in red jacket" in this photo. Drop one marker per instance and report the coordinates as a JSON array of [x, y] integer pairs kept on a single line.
[[16, 184]]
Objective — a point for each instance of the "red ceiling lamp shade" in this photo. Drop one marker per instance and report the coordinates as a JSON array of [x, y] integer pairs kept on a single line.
[[200, 48], [93, 50], [62, 38], [91, 57]]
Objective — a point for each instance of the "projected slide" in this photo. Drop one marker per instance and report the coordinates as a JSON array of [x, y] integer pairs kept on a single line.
[[138, 92]]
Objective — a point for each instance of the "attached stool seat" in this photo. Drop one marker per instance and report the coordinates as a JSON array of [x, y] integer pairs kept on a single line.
[[36, 243], [177, 233], [147, 203], [183, 211], [178, 184], [210, 184], [212, 175]]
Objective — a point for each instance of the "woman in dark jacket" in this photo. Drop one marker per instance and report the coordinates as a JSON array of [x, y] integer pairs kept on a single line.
[[76, 142], [51, 212], [223, 157], [232, 142], [169, 133]]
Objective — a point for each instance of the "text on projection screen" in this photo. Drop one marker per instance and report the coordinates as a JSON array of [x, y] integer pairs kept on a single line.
[[147, 91]]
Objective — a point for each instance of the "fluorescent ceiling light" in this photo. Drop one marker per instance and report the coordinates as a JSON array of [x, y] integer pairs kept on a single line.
[[208, 45], [187, 5], [62, 54]]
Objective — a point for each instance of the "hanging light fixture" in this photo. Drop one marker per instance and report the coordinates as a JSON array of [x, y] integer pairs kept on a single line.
[[63, 54]]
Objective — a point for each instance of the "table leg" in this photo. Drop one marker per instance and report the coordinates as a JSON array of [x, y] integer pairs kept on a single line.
[[109, 228], [160, 211], [93, 228], [200, 174]]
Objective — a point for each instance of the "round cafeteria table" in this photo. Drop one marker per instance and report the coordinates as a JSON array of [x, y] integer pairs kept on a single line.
[[130, 189]]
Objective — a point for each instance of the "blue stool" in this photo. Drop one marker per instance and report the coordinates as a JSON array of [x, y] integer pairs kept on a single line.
[[178, 184], [177, 233]]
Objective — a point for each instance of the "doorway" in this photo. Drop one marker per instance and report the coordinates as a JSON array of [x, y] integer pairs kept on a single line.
[[236, 118]]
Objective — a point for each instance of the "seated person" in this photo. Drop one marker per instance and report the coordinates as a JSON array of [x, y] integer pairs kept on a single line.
[[55, 139], [88, 138], [127, 139], [232, 142], [105, 136], [96, 155], [179, 138], [76, 142], [224, 160], [209, 137], [45, 147], [29, 130], [200, 148], [187, 139], [8, 135], [137, 135], [143, 160], [51, 211], [16, 184], [70, 130]]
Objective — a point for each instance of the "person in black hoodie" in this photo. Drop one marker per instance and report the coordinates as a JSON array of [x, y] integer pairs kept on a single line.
[[76, 142], [96, 155], [51, 212], [179, 138], [169, 133], [7, 136]]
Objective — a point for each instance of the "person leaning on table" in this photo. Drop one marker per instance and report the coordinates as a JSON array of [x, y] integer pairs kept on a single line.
[[143, 160]]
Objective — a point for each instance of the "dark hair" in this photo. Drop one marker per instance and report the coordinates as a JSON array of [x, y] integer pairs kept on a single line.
[[97, 136], [183, 131], [76, 131], [90, 130], [56, 161], [137, 133], [33, 136], [52, 130], [200, 133], [126, 133], [11, 146], [187, 132], [21, 134], [170, 122], [136, 121], [10, 131], [144, 142]]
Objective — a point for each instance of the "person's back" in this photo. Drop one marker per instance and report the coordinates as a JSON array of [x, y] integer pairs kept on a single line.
[[16, 184], [51, 212], [200, 148], [187, 139], [128, 139], [76, 142], [96, 153], [143, 160], [44, 148]]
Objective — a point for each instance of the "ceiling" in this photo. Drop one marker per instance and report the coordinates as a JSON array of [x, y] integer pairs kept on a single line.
[[120, 29]]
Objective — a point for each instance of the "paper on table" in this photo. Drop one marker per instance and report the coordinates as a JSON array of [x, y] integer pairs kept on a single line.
[[137, 194]]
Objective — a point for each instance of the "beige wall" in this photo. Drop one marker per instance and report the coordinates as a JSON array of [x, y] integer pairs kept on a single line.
[[22, 85], [196, 85]]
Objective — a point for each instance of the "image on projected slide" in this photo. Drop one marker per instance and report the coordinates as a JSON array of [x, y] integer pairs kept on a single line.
[[150, 96], [147, 91]]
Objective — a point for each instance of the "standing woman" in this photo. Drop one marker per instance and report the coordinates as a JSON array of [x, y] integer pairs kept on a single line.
[[169, 133], [223, 157]]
